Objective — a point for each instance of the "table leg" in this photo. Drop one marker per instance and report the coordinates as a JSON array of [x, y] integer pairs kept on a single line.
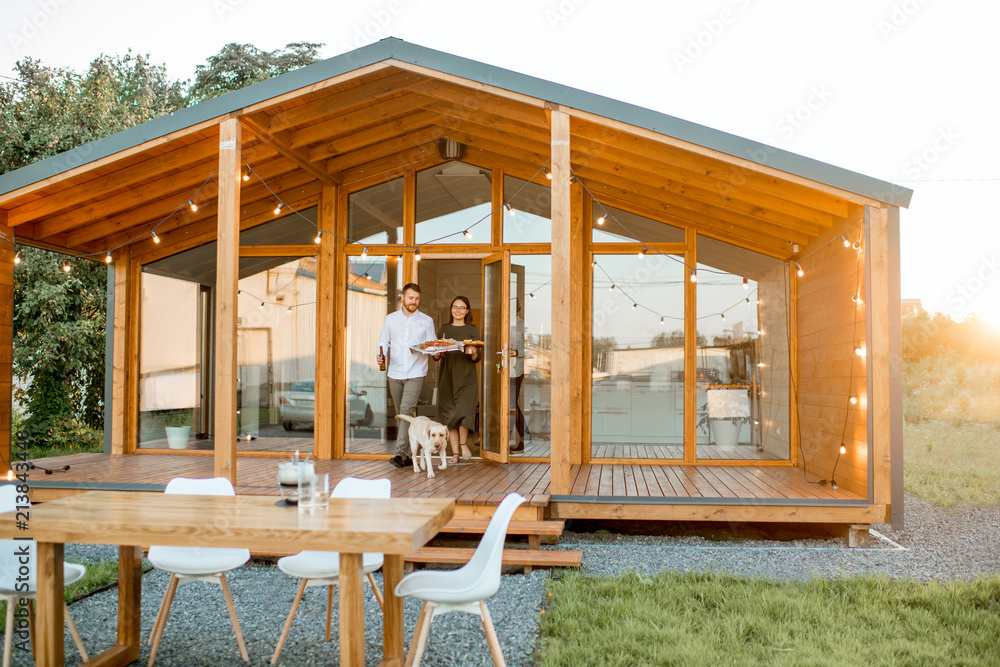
[[392, 632], [352, 611], [130, 599], [49, 632]]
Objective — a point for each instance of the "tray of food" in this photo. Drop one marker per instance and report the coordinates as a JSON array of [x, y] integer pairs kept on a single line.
[[438, 345], [470, 341]]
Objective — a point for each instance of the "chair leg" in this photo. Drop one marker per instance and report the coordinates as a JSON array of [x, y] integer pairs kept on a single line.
[[8, 635], [416, 634], [161, 618], [376, 591], [73, 633], [329, 610], [491, 635], [157, 634], [420, 635], [232, 615], [288, 622]]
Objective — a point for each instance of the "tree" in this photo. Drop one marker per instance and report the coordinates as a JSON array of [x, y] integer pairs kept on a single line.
[[237, 66]]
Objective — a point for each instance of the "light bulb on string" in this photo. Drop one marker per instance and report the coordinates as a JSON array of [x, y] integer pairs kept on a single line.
[[510, 209], [364, 252], [723, 316], [107, 258], [548, 174], [847, 244], [467, 234], [859, 351], [416, 255], [798, 270], [319, 236], [634, 305], [367, 276], [277, 209], [66, 266], [17, 257], [853, 400], [661, 320], [289, 311], [194, 207], [843, 448], [246, 175], [857, 245], [612, 288], [531, 294], [642, 253], [746, 283], [694, 276], [261, 306], [156, 239], [601, 219]]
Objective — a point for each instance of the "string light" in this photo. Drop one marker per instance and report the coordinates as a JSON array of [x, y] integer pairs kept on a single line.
[[601, 219], [548, 174], [847, 244], [319, 236], [277, 209], [467, 234], [661, 319], [531, 294], [17, 257], [843, 448], [107, 258], [66, 266], [156, 239], [261, 306], [746, 285], [859, 351], [723, 316], [612, 288], [799, 270], [246, 175], [416, 255], [364, 252], [194, 207], [510, 209], [694, 276], [634, 305], [289, 311], [857, 245], [642, 253], [853, 400]]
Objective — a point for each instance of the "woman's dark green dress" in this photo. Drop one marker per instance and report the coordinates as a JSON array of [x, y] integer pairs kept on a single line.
[[458, 387]]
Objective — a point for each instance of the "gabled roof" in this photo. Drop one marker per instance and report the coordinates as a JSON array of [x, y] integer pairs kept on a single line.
[[363, 113]]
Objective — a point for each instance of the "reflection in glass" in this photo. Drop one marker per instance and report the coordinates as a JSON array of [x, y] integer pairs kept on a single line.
[[171, 362], [276, 353], [492, 331], [613, 225], [373, 287], [375, 214], [527, 218], [637, 389], [452, 199], [531, 369]]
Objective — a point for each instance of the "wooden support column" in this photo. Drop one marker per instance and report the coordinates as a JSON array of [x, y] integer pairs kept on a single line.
[[879, 351], [562, 299], [328, 431], [578, 374], [119, 358], [226, 285], [6, 334], [411, 270], [690, 347]]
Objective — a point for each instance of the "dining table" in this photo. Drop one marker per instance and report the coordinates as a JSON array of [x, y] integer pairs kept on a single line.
[[135, 520]]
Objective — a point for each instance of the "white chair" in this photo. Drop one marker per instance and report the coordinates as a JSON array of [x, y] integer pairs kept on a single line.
[[322, 568], [10, 563], [464, 589], [190, 564]]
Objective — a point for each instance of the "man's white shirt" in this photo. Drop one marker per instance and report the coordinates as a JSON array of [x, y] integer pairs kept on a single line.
[[399, 332]]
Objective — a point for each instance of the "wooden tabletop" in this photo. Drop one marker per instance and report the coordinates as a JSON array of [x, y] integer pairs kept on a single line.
[[395, 526]]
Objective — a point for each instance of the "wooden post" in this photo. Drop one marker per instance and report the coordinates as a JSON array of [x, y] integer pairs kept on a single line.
[[576, 309], [327, 430], [226, 285], [562, 290], [119, 357], [879, 352], [6, 334], [690, 347]]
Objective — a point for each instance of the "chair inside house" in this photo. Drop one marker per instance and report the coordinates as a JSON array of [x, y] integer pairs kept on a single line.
[[191, 564], [11, 553], [322, 568], [464, 589]]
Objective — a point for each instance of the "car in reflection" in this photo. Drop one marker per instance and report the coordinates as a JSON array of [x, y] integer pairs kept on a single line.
[[297, 406]]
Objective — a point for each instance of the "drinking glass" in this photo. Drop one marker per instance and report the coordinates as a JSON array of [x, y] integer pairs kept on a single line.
[[320, 491]]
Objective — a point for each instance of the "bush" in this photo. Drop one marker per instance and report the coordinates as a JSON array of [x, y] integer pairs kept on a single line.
[[66, 436]]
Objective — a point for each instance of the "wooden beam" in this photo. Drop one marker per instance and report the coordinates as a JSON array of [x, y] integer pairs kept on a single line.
[[579, 220], [226, 307], [393, 166], [390, 146], [279, 250], [326, 331], [876, 255], [690, 347], [346, 144], [120, 357], [354, 121], [562, 289], [337, 285], [279, 142], [6, 334]]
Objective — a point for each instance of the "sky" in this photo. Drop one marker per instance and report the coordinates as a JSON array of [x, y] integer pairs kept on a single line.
[[906, 91]]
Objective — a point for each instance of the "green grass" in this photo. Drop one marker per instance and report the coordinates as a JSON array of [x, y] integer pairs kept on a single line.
[[716, 619], [946, 463]]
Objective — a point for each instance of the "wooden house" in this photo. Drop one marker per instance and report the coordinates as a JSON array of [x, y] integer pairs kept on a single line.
[[679, 323]]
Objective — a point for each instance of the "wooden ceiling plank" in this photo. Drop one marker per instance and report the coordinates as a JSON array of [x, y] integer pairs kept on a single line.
[[388, 147], [392, 166], [538, 157], [336, 103], [278, 141], [353, 141], [490, 122], [355, 120]]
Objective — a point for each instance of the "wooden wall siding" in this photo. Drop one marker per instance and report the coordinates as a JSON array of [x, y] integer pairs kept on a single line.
[[775, 425], [830, 324], [880, 349], [6, 335]]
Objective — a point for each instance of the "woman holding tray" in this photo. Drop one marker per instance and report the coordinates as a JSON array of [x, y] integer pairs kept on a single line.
[[458, 392]]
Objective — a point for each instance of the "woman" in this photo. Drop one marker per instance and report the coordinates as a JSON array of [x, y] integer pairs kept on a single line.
[[458, 394]]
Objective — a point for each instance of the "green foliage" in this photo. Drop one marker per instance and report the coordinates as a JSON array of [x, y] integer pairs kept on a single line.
[[237, 66], [716, 619]]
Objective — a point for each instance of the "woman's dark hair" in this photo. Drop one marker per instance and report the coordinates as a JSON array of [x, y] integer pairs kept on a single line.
[[468, 313]]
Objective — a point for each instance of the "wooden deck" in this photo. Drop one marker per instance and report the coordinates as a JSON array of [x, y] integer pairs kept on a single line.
[[652, 492]]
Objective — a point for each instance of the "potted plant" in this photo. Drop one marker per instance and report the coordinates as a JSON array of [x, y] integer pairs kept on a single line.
[[728, 408], [178, 427]]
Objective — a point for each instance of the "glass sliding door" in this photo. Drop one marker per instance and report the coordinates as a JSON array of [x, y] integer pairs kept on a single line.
[[496, 359]]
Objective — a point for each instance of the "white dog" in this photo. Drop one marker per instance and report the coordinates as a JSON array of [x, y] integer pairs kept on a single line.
[[431, 437]]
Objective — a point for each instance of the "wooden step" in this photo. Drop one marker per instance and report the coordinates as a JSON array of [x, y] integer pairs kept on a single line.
[[527, 557], [535, 530]]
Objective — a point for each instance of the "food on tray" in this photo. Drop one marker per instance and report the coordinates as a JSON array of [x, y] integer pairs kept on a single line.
[[437, 343], [470, 341]]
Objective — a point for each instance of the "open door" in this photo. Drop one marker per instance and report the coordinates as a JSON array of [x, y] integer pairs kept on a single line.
[[496, 358]]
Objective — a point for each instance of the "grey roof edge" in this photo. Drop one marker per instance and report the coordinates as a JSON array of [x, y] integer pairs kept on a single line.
[[394, 48]]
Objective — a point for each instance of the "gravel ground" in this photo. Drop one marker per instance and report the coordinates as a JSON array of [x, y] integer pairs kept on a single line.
[[936, 544]]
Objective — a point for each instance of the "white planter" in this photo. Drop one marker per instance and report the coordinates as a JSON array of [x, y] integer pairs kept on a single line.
[[725, 432], [177, 436]]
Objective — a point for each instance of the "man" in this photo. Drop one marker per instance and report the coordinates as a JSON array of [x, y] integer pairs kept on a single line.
[[402, 329]]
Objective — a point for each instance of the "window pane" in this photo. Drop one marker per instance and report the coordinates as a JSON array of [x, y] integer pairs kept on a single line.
[[729, 401], [531, 370], [290, 229], [373, 287], [620, 226], [528, 220], [452, 199], [375, 215], [638, 357]]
